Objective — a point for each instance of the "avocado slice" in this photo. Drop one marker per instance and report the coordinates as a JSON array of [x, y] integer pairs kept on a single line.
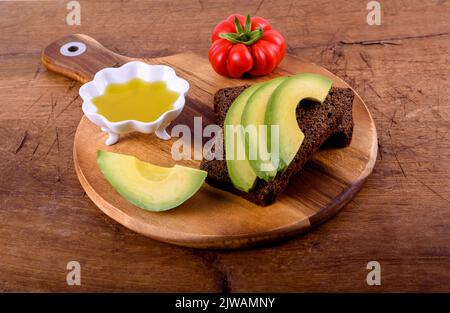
[[281, 111], [241, 174], [256, 144], [150, 187]]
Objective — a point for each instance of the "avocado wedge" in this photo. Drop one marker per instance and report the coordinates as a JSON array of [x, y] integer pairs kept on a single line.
[[241, 173], [148, 186], [281, 110]]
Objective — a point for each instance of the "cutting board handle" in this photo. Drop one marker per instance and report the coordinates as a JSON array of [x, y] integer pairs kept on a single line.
[[79, 57]]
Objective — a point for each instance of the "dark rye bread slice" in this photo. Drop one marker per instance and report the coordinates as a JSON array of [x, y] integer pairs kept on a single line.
[[329, 123]]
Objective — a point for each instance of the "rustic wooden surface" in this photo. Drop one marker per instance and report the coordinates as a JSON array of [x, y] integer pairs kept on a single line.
[[400, 218]]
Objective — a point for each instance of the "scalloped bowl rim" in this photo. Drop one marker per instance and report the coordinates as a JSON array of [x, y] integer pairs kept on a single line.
[[87, 97]]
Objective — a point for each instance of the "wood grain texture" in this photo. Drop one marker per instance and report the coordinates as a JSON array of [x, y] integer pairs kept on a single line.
[[400, 217], [214, 218]]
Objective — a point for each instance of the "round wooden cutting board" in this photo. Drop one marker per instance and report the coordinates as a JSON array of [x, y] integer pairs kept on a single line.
[[213, 218]]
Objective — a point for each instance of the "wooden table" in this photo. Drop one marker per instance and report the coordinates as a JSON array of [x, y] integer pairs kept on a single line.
[[401, 218]]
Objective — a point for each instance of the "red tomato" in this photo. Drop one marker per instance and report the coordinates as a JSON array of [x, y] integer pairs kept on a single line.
[[245, 45]]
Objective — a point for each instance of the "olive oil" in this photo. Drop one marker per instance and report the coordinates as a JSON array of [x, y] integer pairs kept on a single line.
[[135, 100]]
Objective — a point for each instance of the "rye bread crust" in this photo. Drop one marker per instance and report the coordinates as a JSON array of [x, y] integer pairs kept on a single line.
[[330, 124]]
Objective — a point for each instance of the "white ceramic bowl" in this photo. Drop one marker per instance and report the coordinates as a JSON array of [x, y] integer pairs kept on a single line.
[[126, 72]]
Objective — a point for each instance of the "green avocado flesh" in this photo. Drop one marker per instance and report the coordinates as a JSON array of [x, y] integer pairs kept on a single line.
[[281, 111], [241, 173], [254, 116], [150, 187]]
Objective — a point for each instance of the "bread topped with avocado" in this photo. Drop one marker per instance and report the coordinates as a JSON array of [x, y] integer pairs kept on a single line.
[[310, 113]]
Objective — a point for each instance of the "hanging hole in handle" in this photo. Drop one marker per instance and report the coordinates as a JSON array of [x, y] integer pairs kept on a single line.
[[72, 49]]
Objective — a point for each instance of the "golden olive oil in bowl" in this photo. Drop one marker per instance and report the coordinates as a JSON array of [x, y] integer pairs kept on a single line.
[[135, 100], [135, 97]]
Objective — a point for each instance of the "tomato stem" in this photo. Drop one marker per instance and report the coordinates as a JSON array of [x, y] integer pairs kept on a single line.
[[243, 35]]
